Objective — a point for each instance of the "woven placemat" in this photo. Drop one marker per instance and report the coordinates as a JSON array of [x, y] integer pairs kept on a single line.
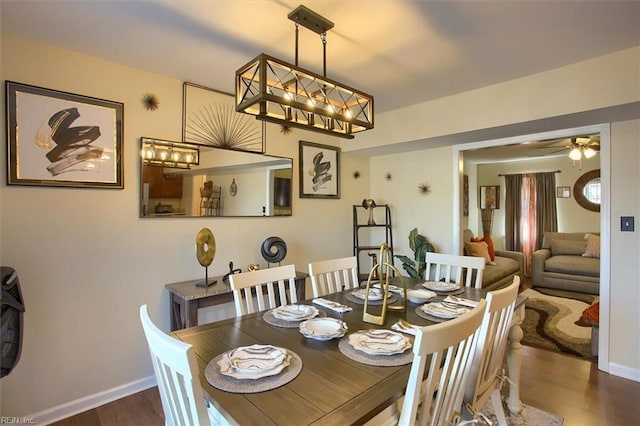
[[378, 360], [390, 300], [270, 319], [233, 385]]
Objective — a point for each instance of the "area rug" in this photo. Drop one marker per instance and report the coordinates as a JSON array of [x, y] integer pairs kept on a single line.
[[529, 416], [550, 321]]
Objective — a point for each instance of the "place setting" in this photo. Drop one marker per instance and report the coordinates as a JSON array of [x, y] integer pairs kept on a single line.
[[252, 369], [290, 316], [442, 310], [376, 296], [442, 287], [323, 329], [378, 347]]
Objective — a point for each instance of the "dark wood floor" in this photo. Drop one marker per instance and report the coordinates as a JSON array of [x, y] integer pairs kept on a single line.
[[563, 385]]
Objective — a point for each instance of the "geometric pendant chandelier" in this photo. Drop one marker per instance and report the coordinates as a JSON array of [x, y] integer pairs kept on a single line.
[[277, 91]]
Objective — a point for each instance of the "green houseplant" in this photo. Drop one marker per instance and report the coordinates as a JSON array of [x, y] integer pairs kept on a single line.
[[421, 246]]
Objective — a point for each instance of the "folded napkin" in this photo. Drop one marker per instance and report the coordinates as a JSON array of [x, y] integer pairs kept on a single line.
[[334, 306], [410, 330], [461, 301]]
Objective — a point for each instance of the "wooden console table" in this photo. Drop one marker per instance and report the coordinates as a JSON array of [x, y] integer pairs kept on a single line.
[[185, 298]]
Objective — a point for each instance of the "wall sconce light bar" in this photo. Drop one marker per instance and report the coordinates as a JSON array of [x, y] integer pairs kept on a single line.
[[170, 154], [280, 92]]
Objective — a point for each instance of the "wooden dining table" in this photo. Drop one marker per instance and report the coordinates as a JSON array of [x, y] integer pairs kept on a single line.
[[331, 388]]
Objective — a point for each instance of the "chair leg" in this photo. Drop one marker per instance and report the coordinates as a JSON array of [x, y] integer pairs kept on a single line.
[[496, 401]]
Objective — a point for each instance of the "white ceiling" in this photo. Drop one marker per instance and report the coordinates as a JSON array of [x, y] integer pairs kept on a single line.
[[402, 52]]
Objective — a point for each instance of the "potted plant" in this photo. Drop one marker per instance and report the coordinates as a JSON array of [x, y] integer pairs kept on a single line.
[[421, 246]]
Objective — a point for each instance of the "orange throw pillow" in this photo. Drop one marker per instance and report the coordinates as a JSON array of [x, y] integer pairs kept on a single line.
[[487, 239], [478, 249]]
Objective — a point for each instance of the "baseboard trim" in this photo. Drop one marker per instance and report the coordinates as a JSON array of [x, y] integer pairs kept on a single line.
[[91, 401], [624, 371]]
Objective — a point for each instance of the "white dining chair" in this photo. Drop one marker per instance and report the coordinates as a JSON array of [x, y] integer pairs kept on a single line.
[[446, 351], [176, 371], [463, 270], [333, 275], [487, 374], [250, 288]]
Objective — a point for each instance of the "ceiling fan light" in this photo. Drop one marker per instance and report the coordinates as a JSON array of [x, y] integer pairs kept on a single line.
[[589, 152], [575, 154]]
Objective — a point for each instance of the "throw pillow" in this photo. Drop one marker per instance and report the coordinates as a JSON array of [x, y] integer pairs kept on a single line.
[[593, 246], [487, 239], [479, 249], [567, 247], [590, 316]]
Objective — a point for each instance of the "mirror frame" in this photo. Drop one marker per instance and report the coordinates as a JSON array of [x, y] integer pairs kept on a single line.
[[578, 190], [226, 169]]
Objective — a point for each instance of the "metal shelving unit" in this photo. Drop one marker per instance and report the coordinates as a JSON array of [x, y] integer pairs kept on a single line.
[[374, 240]]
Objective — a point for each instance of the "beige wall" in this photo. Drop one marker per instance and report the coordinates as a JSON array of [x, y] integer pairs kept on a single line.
[[571, 217], [85, 260]]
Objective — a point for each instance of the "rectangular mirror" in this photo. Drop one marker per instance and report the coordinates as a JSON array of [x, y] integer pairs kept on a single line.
[[180, 179]]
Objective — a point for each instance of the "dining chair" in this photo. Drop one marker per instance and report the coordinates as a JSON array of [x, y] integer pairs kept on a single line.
[[446, 350], [334, 275], [278, 283], [487, 374], [464, 270], [176, 371]]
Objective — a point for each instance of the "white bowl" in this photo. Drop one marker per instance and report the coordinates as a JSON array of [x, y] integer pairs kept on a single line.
[[420, 295]]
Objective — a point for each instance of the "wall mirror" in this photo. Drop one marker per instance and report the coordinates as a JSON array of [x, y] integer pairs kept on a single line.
[[587, 190], [181, 179]]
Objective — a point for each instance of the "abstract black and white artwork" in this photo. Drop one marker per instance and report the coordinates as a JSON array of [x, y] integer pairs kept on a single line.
[[62, 139], [319, 170]]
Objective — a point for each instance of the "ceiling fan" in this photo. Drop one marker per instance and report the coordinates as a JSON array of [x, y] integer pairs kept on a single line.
[[581, 146]]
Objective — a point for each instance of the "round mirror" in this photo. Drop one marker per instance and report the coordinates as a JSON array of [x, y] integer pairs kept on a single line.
[[587, 190]]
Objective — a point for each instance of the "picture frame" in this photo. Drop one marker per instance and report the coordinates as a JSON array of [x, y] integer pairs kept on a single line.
[[319, 170], [563, 192], [489, 197], [209, 118], [62, 139]]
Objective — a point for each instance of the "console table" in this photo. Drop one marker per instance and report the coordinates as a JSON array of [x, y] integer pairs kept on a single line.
[[185, 298]]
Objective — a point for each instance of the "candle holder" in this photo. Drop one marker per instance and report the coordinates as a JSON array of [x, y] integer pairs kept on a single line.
[[384, 269]]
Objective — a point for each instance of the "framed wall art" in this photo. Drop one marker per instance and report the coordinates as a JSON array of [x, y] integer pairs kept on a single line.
[[563, 192], [319, 170], [209, 117], [490, 197], [62, 139]]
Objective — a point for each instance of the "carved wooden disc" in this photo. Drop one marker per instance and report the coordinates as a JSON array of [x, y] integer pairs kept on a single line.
[[205, 247]]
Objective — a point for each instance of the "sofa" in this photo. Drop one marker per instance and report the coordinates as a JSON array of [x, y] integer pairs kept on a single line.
[[568, 261], [499, 272]]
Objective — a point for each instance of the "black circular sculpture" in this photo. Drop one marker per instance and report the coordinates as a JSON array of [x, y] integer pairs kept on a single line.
[[274, 249]]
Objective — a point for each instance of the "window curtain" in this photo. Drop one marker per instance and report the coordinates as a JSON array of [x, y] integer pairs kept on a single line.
[[546, 208], [513, 184], [530, 211]]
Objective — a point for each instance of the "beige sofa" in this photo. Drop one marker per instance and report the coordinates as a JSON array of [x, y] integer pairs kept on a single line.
[[561, 263], [507, 265]]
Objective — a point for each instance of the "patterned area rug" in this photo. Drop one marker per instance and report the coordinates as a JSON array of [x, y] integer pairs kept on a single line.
[[549, 322], [528, 416]]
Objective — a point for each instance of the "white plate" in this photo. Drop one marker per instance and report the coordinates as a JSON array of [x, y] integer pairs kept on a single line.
[[295, 312], [379, 342], [441, 311], [323, 328], [420, 295], [392, 288], [254, 362], [374, 293], [440, 286]]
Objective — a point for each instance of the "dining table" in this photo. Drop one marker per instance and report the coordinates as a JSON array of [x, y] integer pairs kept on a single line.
[[330, 387]]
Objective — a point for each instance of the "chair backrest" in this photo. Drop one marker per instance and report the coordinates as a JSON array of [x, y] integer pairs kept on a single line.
[[494, 333], [449, 348], [249, 288], [334, 275], [176, 371], [465, 270]]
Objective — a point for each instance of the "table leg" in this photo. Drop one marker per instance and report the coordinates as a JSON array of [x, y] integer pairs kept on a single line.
[[514, 360]]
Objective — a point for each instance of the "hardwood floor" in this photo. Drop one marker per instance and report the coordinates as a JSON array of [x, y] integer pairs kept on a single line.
[[560, 384]]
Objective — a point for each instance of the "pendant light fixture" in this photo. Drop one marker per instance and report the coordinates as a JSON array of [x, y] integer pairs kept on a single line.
[[283, 93]]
